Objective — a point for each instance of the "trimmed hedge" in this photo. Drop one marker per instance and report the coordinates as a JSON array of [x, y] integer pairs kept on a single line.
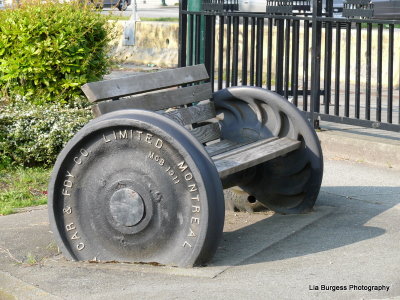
[[49, 49], [32, 135]]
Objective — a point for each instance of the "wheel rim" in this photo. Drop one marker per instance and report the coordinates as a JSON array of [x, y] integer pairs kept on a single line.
[[287, 184], [112, 196]]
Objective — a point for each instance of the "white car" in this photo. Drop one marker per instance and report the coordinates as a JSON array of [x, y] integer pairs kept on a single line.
[[5, 3]]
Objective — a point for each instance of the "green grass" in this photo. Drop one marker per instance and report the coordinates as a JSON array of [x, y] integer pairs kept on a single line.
[[118, 18], [22, 187]]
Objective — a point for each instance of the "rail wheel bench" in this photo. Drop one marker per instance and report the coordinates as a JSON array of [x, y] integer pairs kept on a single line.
[[144, 180]]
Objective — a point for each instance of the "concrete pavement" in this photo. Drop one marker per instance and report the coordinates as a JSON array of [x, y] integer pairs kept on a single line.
[[350, 241]]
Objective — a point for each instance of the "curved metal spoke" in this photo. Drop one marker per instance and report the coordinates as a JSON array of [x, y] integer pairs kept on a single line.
[[288, 184]]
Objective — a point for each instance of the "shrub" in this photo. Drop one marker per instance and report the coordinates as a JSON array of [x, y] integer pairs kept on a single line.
[[32, 135], [48, 50]]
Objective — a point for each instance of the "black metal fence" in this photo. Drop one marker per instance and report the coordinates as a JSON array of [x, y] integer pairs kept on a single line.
[[337, 69]]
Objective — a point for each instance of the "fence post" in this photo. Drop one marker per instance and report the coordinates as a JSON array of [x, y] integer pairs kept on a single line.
[[315, 61], [196, 34], [280, 44], [183, 33]]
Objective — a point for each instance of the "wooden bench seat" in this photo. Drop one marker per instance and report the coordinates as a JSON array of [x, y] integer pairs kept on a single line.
[[166, 93], [249, 155]]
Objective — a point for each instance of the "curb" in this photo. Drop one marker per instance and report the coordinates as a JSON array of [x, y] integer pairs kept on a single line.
[[362, 146]]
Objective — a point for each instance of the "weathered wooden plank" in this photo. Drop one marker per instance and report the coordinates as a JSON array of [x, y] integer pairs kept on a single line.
[[136, 84], [206, 133], [250, 155], [192, 114], [157, 101], [223, 146], [248, 146]]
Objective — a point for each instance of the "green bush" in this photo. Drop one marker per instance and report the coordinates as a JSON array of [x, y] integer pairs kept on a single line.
[[48, 50], [32, 135]]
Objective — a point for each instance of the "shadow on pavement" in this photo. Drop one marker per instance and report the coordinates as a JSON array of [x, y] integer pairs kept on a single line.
[[346, 224]]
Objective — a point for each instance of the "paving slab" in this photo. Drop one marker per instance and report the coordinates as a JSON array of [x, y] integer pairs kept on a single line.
[[348, 245], [27, 239], [12, 288], [236, 246]]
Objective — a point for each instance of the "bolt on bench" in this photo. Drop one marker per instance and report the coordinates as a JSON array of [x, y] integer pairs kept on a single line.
[[143, 182]]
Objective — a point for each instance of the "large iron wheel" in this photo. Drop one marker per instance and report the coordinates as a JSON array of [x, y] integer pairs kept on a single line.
[[288, 184], [134, 186]]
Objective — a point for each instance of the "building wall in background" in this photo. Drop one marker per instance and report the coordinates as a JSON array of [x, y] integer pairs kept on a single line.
[[155, 3]]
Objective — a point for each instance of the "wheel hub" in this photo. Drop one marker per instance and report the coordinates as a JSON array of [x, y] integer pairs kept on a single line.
[[127, 207]]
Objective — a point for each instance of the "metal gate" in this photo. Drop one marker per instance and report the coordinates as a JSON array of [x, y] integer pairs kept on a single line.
[[336, 68]]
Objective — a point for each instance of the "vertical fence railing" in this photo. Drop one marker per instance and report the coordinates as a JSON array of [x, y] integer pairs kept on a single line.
[[336, 69]]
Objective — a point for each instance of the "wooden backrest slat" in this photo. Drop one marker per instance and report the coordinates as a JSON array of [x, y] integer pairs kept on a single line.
[[157, 101], [192, 114], [206, 133], [136, 84], [248, 147]]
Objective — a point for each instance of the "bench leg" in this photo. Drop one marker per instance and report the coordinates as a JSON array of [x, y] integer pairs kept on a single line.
[[288, 184], [134, 186]]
